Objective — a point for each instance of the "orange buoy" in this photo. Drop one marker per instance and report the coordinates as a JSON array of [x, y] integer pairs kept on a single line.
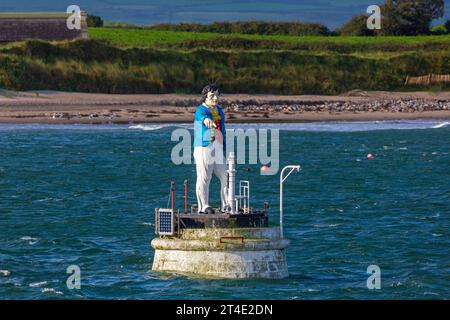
[[370, 156]]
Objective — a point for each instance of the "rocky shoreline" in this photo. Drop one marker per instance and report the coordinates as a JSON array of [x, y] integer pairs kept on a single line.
[[63, 107], [401, 105]]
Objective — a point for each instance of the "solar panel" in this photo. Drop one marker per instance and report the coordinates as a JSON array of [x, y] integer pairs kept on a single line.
[[164, 222]]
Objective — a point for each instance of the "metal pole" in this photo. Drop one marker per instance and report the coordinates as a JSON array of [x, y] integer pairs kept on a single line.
[[186, 197], [281, 203], [231, 178], [172, 194], [282, 179], [178, 226]]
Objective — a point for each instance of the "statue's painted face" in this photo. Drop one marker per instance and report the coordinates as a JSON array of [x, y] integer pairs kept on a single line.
[[212, 99]]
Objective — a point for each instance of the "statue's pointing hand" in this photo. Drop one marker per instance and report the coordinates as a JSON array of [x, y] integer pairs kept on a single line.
[[209, 123]]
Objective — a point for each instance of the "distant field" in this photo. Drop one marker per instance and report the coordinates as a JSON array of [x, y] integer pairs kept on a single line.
[[144, 38], [148, 38]]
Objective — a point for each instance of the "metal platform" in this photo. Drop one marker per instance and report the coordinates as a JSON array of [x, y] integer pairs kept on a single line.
[[198, 221]]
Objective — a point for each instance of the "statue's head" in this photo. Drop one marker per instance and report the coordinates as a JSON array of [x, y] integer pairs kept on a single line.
[[210, 95]]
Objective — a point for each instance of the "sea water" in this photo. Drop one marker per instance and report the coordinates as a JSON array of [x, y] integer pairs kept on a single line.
[[85, 195]]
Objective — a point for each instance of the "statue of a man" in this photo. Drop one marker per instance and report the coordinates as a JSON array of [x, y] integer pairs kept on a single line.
[[209, 148]]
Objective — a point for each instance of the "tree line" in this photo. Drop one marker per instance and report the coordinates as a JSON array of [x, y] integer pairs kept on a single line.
[[401, 18]]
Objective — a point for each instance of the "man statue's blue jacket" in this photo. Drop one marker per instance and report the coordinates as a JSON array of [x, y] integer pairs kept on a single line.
[[202, 134]]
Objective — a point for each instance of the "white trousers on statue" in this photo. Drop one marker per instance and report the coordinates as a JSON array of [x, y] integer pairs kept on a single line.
[[210, 160]]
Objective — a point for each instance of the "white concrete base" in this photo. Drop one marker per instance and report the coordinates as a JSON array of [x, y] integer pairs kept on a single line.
[[205, 253]]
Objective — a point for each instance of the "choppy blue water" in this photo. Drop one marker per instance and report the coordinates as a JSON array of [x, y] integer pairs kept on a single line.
[[85, 195]]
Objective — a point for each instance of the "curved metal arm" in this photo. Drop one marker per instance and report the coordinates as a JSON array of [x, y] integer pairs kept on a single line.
[[282, 179]]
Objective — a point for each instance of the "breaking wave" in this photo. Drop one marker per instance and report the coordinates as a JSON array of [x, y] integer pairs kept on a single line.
[[155, 127], [441, 125], [146, 127]]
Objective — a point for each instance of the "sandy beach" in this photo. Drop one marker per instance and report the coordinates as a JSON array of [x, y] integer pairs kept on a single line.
[[66, 108]]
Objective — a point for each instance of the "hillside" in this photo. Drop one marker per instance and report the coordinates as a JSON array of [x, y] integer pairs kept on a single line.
[[148, 61]]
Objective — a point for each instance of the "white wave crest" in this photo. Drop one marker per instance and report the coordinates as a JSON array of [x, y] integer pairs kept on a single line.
[[327, 225], [441, 125], [51, 290], [38, 284], [27, 238], [30, 240], [5, 273], [147, 127]]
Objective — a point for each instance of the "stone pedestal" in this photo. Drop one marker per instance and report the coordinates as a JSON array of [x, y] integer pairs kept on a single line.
[[231, 253]]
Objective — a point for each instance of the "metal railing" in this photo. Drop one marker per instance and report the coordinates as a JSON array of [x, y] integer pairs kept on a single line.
[[244, 195], [282, 179]]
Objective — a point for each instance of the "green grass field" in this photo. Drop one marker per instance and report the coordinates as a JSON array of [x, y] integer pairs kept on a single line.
[[143, 38]]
